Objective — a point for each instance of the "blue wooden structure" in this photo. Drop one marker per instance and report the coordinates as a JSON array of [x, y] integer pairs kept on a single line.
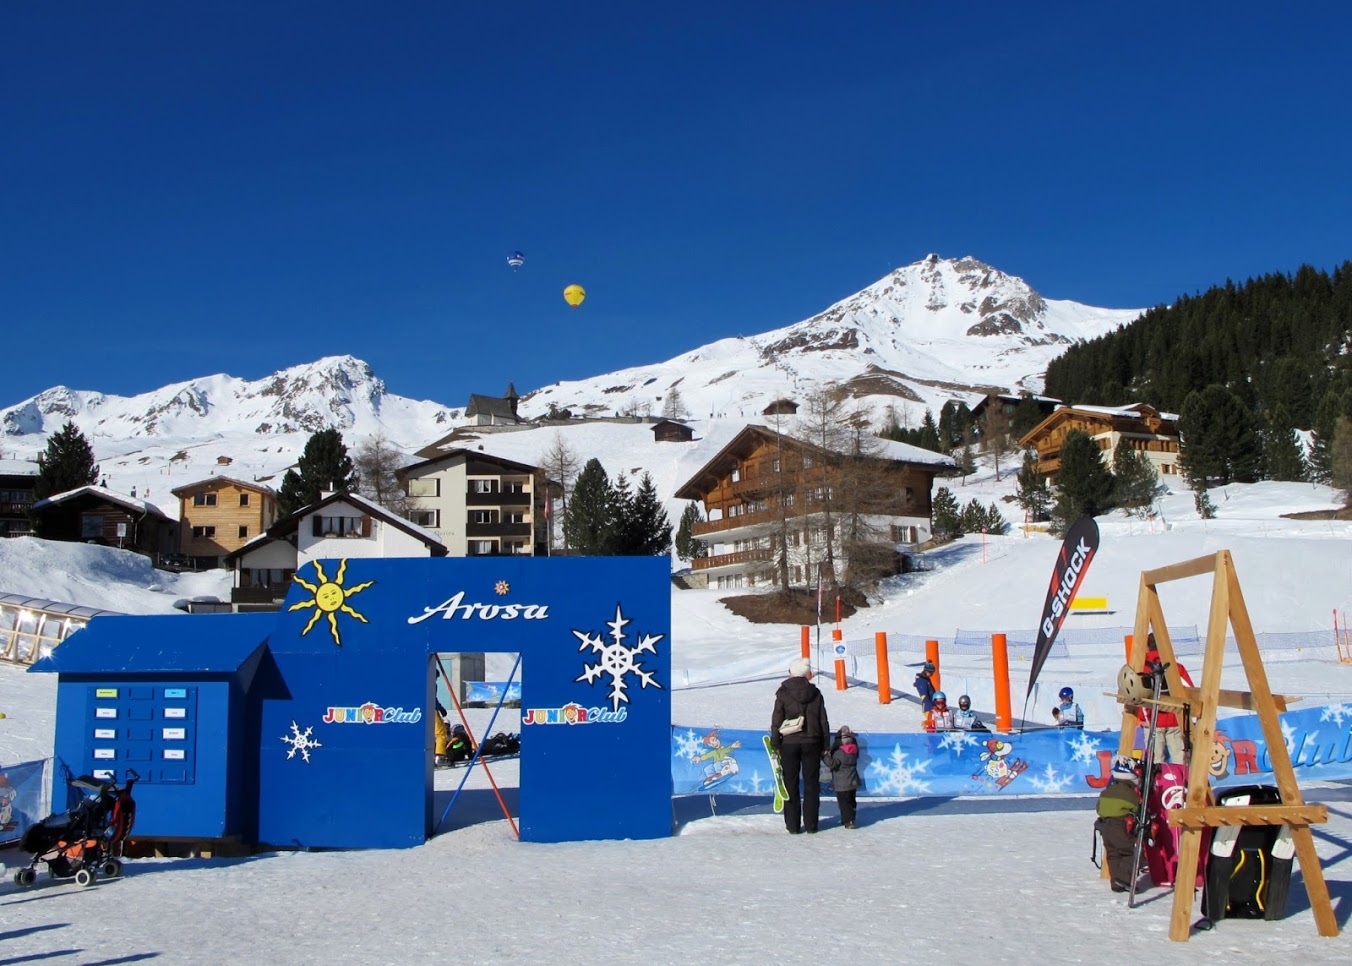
[[338, 702]]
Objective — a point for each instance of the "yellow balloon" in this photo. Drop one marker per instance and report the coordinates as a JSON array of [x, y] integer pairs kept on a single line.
[[574, 294]]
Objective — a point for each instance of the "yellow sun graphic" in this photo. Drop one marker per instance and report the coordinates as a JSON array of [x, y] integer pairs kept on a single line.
[[330, 597], [502, 587]]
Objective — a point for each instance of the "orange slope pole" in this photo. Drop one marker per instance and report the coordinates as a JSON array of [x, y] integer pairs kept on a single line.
[[455, 699]]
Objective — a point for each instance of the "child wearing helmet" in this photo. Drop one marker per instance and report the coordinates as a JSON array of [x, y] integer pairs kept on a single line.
[[1068, 713], [942, 715], [964, 718], [843, 761], [1118, 805]]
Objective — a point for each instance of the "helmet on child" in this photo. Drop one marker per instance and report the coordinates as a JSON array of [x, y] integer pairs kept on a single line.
[[940, 698], [964, 702], [928, 668], [1124, 768], [1066, 694]]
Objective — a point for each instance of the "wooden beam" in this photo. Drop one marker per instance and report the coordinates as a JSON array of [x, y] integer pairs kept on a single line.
[[1238, 699], [1188, 568], [1216, 816]]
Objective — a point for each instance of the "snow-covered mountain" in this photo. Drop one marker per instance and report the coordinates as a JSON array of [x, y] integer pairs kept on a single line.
[[933, 331]]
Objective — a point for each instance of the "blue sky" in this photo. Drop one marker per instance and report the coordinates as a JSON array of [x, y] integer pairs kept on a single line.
[[191, 188]]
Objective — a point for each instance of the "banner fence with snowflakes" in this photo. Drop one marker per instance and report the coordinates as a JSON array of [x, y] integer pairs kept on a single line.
[[22, 798], [1044, 762]]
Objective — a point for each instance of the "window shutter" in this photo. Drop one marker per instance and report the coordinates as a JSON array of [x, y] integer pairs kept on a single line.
[[318, 526], [365, 526]]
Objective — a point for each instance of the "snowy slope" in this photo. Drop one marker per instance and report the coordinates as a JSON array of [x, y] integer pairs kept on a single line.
[[922, 880]]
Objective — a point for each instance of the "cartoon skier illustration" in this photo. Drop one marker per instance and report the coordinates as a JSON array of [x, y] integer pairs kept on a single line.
[[997, 768], [777, 770], [7, 796], [721, 765]]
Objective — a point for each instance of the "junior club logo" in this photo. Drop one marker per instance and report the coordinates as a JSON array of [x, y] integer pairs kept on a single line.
[[371, 713], [573, 714]]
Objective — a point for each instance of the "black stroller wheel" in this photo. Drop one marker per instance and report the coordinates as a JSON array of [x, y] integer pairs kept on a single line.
[[25, 878], [86, 878], [110, 868]]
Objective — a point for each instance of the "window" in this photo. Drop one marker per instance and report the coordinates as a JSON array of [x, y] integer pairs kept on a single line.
[[243, 501], [342, 526], [425, 518], [514, 517], [514, 548], [91, 526], [483, 486], [204, 533], [243, 531], [204, 499], [425, 486], [774, 463], [483, 516], [481, 547], [513, 486]]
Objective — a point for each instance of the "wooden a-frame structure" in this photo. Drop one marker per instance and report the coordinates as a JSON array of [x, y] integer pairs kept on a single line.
[[1227, 606]]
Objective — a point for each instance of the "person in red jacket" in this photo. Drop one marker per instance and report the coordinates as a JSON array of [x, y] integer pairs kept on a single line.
[[1168, 730]]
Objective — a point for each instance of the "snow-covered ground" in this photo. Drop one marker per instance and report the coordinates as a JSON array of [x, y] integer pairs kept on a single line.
[[992, 880]]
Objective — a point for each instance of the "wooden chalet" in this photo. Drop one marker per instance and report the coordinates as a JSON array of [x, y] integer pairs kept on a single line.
[[18, 480], [1141, 426], [670, 431], [765, 491], [95, 514], [220, 514]]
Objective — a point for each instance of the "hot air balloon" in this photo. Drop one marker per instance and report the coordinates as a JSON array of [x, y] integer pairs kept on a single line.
[[574, 294], [516, 260]]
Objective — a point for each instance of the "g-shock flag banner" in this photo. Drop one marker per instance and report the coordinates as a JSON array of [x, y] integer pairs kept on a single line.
[[1072, 563]]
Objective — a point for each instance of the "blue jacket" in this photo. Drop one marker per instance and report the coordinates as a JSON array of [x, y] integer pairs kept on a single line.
[[925, 688]]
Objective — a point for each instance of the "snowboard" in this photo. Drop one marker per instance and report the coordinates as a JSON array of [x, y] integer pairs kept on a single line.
[[484, 758], [776, 769]]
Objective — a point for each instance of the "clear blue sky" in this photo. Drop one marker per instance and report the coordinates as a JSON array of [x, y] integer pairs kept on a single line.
[[190, 188]]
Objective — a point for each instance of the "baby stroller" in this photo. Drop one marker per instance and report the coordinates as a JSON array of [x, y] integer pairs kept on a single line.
[[86, 841]]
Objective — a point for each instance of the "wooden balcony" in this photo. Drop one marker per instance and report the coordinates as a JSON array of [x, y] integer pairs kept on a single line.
[[734, 559]]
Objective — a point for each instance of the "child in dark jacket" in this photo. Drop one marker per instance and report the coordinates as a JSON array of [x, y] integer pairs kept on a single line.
[[843, 760], [1118, 805]]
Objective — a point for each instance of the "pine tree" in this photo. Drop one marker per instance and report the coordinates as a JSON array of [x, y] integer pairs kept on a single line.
[[929, 435], [647, 531], [66, 464], [1340, 463], [1027, 414], [1084, 486], [1285, 458], [323, 466], [589, 523], [673, 407], [1033, 493], [1219, 438], [995, 521], [688, 546], [559, 463], [1134, 479], [946, 515]]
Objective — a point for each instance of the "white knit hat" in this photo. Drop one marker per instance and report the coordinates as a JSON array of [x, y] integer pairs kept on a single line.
[[799, 667]]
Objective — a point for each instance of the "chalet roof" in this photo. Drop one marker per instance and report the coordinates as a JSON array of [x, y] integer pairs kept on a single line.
[[1136, 412], [490, 406], [1045, 403], [222, 478], [780, 407], [288, 525], [468, 454], [18, 468], [748, 438], [107, 496]]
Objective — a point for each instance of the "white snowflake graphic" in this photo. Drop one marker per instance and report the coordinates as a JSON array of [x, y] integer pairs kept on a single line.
[[1049, 779], [754, 784], [617, 660], [1289, 737], [895, 774], [957, 741], [1084, 748], [688, 744], [300, 741], [1337, 713]]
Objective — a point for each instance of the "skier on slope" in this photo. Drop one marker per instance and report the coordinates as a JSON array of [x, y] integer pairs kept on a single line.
[[1068, 713], [924, 687]]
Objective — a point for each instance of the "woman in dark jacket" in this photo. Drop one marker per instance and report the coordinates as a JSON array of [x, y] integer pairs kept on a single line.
[[800, 753]]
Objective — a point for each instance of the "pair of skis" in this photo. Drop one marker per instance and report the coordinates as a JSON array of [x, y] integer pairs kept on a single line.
[[1147, 775]]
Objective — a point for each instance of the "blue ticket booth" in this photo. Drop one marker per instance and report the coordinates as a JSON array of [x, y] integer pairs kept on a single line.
[[168, 698], [313, 727]]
